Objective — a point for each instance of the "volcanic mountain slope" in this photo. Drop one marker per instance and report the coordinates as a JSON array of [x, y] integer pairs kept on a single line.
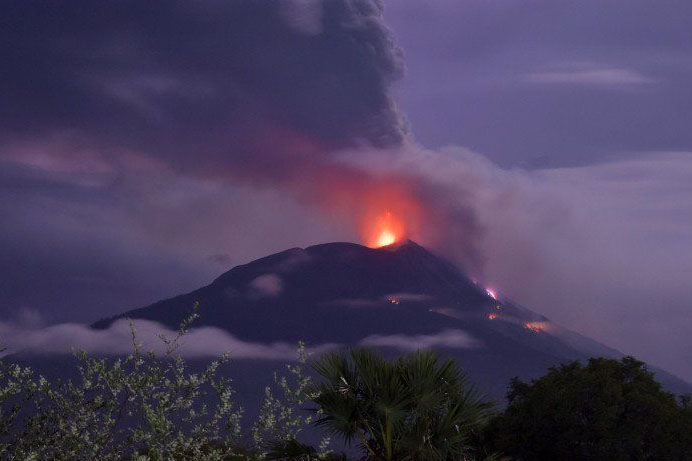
[[400, 297]]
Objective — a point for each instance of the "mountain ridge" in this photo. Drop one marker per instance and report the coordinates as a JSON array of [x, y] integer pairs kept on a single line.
[[346, 293]]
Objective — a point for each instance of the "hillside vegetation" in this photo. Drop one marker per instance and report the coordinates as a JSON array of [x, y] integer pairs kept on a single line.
[[418, 407]]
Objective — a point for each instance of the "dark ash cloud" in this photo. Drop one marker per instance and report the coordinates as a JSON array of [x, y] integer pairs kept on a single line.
[[126, 122], [222, 88], [121, 123]]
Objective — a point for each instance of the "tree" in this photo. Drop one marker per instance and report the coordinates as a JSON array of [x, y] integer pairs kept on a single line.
[[141, 407], [283, 417], [607, 409], [151, 407], [414, 408]]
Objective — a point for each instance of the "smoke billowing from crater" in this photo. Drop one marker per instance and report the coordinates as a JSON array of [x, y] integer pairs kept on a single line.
[[293, 96]]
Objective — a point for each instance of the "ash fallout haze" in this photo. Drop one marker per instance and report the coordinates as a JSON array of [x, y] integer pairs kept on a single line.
[[543, 147]]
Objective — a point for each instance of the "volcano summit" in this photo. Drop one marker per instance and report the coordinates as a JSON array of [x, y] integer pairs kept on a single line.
[[399, 297]]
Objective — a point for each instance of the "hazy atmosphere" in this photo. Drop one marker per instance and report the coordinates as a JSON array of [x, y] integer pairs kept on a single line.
[[545, 147]]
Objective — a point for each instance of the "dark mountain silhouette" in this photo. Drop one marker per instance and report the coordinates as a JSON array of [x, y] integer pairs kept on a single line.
[[396, 297]]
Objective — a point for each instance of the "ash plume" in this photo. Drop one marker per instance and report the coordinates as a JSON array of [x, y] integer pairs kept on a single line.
[[291, 96]]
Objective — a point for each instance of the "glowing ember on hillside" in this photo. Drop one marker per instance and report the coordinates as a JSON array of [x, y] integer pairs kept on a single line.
[[386, 230], [536, 326], [492, 316]]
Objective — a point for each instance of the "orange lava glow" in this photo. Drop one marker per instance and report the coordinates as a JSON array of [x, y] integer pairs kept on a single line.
[[385, 230], [492, 316], [389, 212], [385, 238], [536, 326]]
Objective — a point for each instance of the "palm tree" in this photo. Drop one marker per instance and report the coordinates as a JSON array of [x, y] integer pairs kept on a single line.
[[413, 408]]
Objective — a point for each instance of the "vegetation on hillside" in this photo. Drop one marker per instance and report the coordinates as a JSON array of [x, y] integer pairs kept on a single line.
[[418, 407]]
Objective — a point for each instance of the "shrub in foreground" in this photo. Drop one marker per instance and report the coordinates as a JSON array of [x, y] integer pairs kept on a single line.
[[141, 407], [147, 407]]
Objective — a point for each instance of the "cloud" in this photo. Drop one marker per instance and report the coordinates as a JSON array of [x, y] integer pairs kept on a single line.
[[606, 77], [198, 342], [221, 104], [266, 285], [304, 15], [454, 339], [255, 111], [120, 133], [222, 259], [66, 338], [601, 249], [472, 91]]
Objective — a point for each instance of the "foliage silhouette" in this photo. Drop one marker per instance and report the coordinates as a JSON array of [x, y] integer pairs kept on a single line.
[[606, 409], [414, 408]]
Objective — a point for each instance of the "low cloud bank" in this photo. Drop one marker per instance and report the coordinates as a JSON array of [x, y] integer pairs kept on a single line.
[[198, 342], [65, 338], [454, 339]]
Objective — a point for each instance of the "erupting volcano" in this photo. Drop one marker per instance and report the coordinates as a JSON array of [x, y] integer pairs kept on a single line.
[[401, 297]]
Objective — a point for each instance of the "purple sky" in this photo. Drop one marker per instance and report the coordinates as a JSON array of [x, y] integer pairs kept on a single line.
[[145, 147]]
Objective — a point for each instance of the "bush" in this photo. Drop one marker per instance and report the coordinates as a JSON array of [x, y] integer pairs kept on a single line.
[[142, 407], [149, 407]]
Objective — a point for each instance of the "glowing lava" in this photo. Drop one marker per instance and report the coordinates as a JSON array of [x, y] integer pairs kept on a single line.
[[386, 230], [536, 326], [385, 238]]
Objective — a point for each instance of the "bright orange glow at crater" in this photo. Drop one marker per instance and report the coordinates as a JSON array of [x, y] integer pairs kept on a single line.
[[385, 230], [385, 238]]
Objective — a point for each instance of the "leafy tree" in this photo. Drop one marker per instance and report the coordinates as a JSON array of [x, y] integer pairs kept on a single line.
[[606, 409], [141, 407], [283, 417], [415, 408], [149, 407]]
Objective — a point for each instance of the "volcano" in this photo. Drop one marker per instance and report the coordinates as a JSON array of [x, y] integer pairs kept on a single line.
[[398, 298]]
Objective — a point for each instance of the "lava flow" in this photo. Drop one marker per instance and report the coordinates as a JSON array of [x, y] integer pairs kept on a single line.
[[536, 326], [491, 293]]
